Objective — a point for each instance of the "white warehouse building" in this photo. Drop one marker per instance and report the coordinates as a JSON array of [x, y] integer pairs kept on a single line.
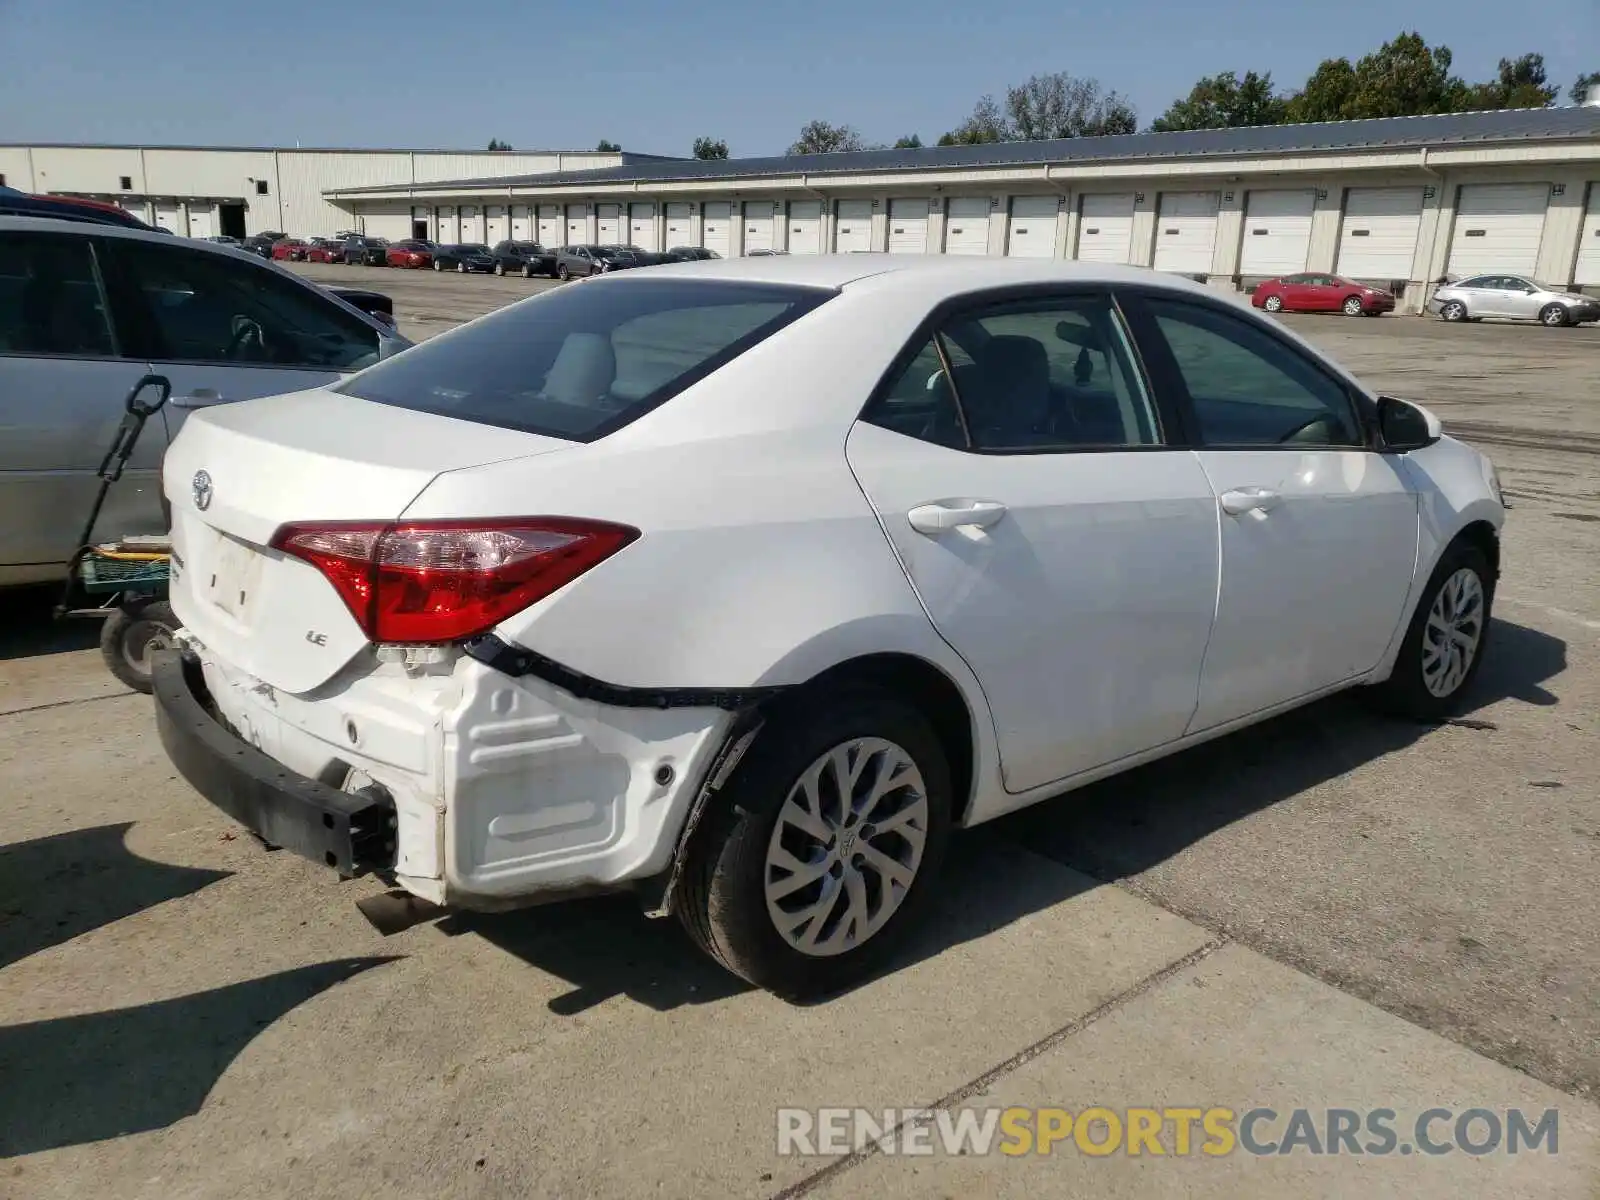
[[204, 191], [1398, 202]]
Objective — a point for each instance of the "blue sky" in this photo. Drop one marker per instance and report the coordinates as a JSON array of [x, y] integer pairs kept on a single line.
[[653, 75]]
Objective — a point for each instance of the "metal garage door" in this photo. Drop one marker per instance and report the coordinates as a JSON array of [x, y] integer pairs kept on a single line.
[[471, 223], [496, 224], [550, 230], [908, 227], [521, 223], [716, 226], [680, 225], [853, 226], [1588, 271], [577, 224], [966, 225], [758, 225], [449, 229], [1032, 231], [1105, 228], [169, 216], [805, 227], [1378, 236], [1498, 228], [1277, 232], [1186, 232], [608, 224], [138, 208], [642, 226], [202, 220]]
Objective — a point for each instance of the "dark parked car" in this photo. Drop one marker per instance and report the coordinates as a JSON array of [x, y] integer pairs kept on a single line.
[[261, 244], [413, 252], [365, 251], [464, 257], [523, 258], [688, 254]]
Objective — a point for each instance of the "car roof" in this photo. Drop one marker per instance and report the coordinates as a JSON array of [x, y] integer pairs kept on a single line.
[[951, 274]]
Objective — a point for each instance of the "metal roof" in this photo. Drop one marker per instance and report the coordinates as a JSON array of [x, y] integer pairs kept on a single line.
[[1445, 129], [627, 155]]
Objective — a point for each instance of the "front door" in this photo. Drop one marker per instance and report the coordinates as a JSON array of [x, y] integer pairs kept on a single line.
[[1319, 533], [223, 330], [1018, 468]]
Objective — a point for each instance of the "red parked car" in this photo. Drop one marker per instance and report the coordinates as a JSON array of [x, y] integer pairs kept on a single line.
[[1321, 293], [413, 252], [324, 250], [292, 249]]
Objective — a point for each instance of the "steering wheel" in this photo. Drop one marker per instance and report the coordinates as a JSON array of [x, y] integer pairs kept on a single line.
[[245, 331], [1319, 419]]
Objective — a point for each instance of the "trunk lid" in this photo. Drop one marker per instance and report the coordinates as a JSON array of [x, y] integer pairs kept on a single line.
[[236, 473]]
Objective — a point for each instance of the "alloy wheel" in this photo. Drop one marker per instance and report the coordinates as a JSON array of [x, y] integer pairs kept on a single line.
[[1352, 307], [846, 847], [1454, 631], [1273, 304]]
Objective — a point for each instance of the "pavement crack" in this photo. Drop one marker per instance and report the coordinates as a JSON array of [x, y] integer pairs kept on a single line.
[[33, 708], [994, 1074]]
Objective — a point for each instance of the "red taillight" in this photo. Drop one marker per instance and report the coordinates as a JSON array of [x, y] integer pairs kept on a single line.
[[441, 581]]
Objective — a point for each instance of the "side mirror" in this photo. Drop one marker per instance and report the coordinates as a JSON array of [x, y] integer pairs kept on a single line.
[[1405, 426]]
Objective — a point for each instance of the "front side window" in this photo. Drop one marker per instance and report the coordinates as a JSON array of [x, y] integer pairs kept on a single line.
[[578, 363], [51, 301], [1246, 387], [210, 308]]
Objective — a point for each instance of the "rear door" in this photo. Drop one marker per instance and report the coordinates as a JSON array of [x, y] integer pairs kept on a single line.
[[1067, 554], [63, 379], [1319, 532], [223, 329]]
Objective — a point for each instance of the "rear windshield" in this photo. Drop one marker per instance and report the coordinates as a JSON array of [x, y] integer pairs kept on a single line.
[[581, 362]]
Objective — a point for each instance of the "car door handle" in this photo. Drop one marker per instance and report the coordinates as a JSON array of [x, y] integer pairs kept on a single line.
[[936, 518], [1239, 501], [199, 398]]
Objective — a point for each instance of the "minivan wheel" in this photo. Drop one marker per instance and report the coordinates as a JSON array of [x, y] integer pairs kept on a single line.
[[499, 267], [131, 635], [527, 270], [823, 847], [1453, 310], [1445, 641], [1553, 315]]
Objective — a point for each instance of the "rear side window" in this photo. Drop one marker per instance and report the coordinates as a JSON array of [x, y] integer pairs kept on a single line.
[[581, 362], [51, 301]]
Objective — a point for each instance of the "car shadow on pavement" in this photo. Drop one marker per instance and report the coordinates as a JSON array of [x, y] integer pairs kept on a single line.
[[1125, 825], [27, 629], [52, 889], [73, 1080]]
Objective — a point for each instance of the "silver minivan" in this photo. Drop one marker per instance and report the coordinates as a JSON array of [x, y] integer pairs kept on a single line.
[[85, 311]]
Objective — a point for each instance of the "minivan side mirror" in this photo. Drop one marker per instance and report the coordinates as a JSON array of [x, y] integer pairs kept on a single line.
[[1404, 426]]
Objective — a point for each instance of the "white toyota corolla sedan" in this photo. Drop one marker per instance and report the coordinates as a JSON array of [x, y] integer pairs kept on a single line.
[[742, 584]]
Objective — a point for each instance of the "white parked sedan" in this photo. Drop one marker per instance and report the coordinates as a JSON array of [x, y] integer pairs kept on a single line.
[[741, 584]]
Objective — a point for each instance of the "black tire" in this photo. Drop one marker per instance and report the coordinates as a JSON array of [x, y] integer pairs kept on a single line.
[[1273, 304], [1405, 693], [130, 634], [1554, 316], [437, 265], [461, 267], [563, 274], [527, 270], [499, 267], [722, 900], [1453, 310], [1352, 306]]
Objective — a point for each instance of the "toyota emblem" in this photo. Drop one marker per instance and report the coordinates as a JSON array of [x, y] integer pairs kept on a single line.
[[202, 490]]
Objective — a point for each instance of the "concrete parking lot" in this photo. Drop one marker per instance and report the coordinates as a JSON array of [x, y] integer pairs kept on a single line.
[[1329, 910]]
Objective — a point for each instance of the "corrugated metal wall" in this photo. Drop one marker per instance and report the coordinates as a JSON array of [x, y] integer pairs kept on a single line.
[[304, 175], [16, 168], [87, 169]]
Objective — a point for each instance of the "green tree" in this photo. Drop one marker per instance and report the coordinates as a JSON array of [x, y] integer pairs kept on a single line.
[[1059, 105], [1225, 101], [705, 147], [1407, 78], [1581, 86], [819, 137], [908, 143], [497, 144], [986, 124], [607, 147], [1329, 95], [1521, 83]]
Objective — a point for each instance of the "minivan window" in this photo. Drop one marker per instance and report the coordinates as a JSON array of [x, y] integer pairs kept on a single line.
[[214, 308], [51, 302], [581, 362]]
